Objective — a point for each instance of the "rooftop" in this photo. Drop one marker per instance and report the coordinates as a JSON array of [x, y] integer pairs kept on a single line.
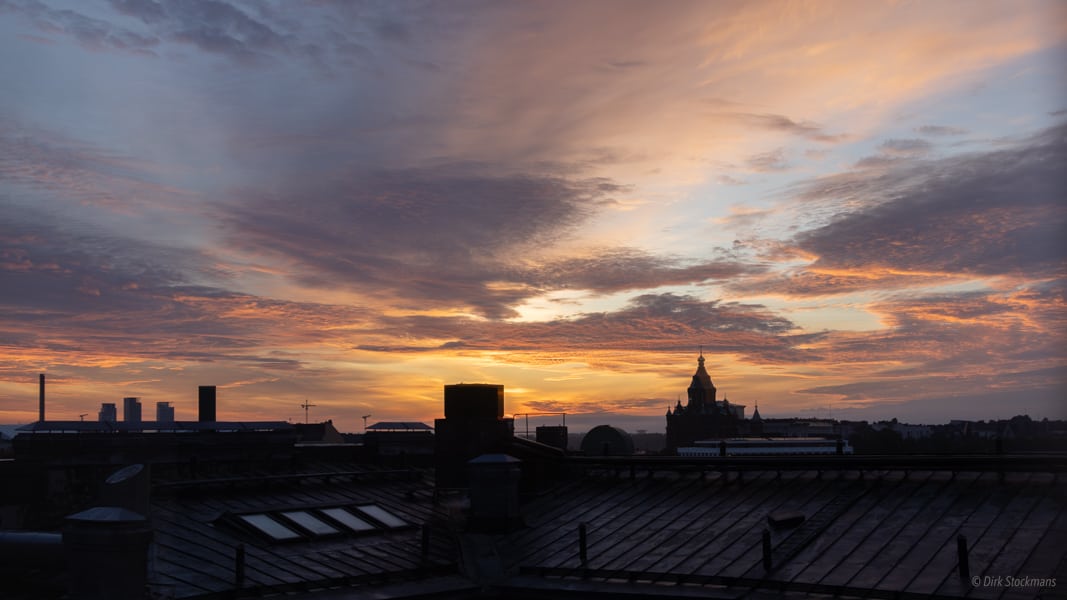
[[327, 525], [872, 534]]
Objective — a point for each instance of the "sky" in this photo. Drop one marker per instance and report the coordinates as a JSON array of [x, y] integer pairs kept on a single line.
[[855, 210]]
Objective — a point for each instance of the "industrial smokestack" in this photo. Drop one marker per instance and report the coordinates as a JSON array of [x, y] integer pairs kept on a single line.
[[41, 398], [207, 404]]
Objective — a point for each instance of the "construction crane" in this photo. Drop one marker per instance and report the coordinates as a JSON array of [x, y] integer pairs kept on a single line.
[[306, 406]]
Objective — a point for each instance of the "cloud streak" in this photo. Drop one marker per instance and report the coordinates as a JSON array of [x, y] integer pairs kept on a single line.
[[995, 214]]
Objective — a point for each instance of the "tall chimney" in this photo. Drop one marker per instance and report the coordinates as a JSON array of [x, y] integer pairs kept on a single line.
[[41, 399], [207, 404]]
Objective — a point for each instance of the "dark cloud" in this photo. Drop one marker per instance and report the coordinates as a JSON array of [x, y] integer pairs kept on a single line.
[[784, 124], [451, 237], [988, 214], [940, 130], [92, 34], [425, 237], [618, 269], [953, 344], [999, 213], [894, 151], [877, 161], [94, 297], [774, 160], [649, 323], [392, 30], [146, 10], [626, 64], [248, 36], [905, 147], [45, 161], [219, 28], [940, 387]]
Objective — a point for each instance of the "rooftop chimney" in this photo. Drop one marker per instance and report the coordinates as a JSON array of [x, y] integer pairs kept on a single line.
[[207, 404], [41, 399], [107, 546], [474, 425]]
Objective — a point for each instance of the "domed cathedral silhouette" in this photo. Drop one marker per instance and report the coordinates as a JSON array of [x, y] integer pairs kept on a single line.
[[704, 416]]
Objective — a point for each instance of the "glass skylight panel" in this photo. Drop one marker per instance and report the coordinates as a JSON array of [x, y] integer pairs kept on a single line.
[[382, 516], [347, 519], [309, 522], [270, 527]]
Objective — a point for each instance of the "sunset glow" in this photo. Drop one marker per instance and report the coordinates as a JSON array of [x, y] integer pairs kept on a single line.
[[856, 208]]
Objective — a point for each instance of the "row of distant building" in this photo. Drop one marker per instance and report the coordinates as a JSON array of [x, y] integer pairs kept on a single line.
[[131, 411], [131, 408]]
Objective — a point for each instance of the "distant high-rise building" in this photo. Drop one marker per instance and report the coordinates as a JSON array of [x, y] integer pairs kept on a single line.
[[206, 399], [164, 412], [131, 410], [108, 414]]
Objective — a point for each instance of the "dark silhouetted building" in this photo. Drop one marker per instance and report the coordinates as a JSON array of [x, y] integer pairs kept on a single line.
[[605, 440], [131, 410], [319, 433], [474, 424], [108, 413], [164, 412], [553, 435], [703, 417], [399, 439], [206, 397]]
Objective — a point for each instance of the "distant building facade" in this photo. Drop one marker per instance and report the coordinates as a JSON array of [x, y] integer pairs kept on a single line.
[[703, 417], [164, 412], [108, 413], [131, 410]]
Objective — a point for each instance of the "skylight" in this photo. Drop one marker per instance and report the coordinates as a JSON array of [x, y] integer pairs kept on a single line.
[[270, 527], [310, 522], [381, 515], [348, 519]]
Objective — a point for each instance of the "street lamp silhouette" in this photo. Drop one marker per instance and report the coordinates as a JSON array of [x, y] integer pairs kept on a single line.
[[365, 417]]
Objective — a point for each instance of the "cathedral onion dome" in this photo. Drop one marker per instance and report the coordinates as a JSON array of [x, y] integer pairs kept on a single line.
[[755, 415], [701, 379], [701, 391]]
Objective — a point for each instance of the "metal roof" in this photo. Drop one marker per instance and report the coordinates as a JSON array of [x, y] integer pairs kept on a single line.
[[399, 426], [876, 534], [196, 542]]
